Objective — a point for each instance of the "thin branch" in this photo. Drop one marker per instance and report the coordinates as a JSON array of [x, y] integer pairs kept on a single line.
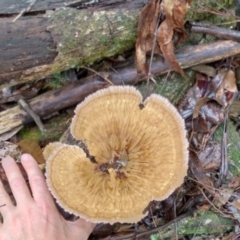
[[224, 159], [100, 75], [218, 210], [24, 10], [219, 32], [35, 117], [149, 77], [217, 194]]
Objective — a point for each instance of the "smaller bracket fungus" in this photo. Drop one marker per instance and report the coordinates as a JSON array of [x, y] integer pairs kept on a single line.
[[141, 155]]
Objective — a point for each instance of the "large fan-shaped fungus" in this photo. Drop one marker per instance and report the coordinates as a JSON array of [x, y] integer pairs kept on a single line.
[[140, 152]]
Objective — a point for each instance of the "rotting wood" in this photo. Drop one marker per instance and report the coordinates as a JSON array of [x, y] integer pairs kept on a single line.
[[76, 92], [50, 39], [36, 46], [10, 7], [14, 7], [23, 45]]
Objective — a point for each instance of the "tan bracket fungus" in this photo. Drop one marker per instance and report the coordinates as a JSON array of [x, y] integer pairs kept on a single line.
[[141, 155]]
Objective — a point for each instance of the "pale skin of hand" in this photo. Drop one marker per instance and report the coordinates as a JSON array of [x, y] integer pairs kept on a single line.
[[34, 216]]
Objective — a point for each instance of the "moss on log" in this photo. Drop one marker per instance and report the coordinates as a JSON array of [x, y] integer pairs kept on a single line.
[[173, 88], [83, 37], [204, 223], [63, 39]]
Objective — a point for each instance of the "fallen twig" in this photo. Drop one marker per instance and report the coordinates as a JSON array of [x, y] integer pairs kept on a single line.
[[35, 117], [220, 32], [25, 10]]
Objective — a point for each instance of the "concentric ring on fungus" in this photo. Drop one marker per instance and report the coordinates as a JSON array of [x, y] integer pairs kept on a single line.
[[141, 155]]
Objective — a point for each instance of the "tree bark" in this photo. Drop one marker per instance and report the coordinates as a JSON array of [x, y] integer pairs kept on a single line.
[[10, 7], [44, 42]]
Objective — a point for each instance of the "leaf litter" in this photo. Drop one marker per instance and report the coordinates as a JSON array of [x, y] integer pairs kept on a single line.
[[204, 108]]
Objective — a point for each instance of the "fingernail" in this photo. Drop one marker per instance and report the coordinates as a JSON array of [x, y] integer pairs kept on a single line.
[[25, 157]]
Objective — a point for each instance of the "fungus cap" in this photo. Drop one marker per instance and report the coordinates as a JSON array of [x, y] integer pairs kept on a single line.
[[141, 155]]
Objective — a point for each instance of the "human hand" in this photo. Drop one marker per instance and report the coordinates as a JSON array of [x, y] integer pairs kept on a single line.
[[34, 216]]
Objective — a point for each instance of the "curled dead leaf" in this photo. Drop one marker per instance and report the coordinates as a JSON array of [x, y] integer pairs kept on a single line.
[[179, 11], [171, 14], [196, 168], [208, 98], [164, 39], [145, 34], [30, 146], [234, 183], [210, 157]]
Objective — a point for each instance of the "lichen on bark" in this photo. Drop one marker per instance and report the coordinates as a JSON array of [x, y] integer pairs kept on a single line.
[[83, 37]]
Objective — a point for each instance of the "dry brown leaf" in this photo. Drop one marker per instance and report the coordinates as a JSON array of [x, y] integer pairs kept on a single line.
[[224, 195], [209, 110], [31, 146], [197, 170], [168, 6], [208, 98], [236, 204], [231, 201], [145, 34], [179, 11], [234, 183], [228, 84], [201, 102], [164, 39], [172, 21], [210, 157]]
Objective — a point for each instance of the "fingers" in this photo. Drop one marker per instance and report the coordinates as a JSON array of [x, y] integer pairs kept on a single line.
[[36, 180], [16, 181], [5, 201]]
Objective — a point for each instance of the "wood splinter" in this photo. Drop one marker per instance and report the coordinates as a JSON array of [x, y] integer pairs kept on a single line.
[[35, 117]]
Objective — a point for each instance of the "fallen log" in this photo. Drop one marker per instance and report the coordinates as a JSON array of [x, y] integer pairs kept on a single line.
[[9, 8], [74, 93], [44, 42], [54, 36]]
